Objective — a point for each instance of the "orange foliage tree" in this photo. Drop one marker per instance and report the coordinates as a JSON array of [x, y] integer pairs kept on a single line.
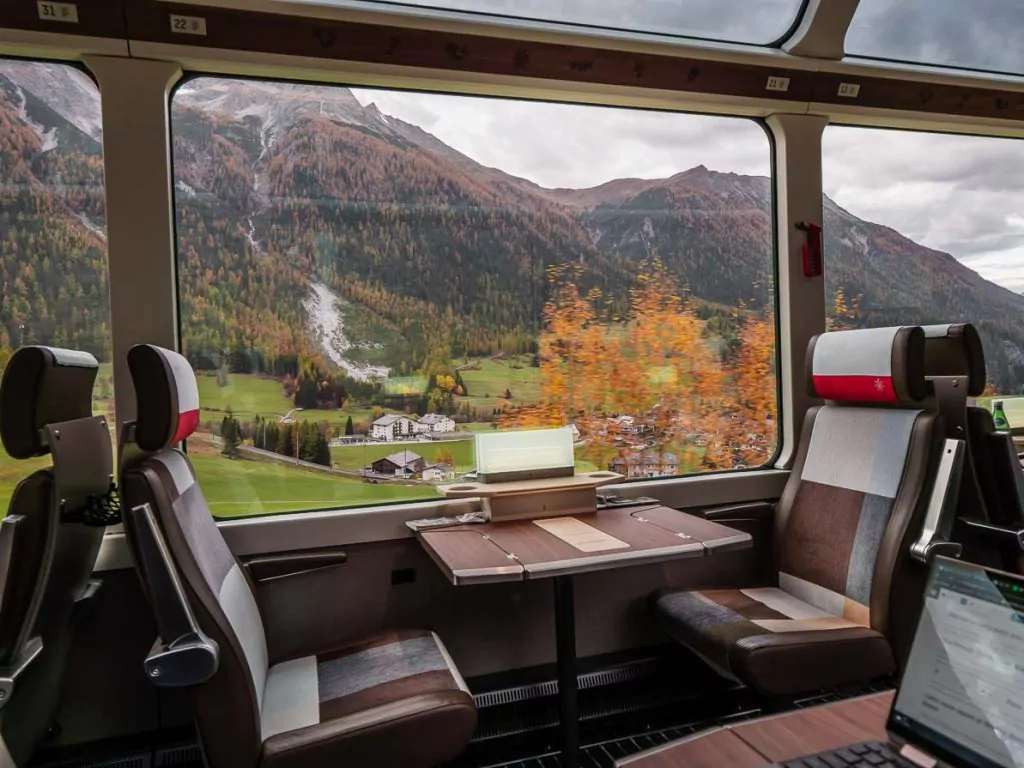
[[651, 391]]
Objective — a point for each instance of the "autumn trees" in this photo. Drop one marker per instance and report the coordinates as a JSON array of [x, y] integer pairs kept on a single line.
[[683, 392]]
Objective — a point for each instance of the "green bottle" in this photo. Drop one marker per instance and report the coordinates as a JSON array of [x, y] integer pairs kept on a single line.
[[999, 416]]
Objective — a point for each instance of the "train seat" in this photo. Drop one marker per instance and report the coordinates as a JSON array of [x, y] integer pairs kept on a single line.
[[48, 544], [990, 510], [394, 699], [847, 592]]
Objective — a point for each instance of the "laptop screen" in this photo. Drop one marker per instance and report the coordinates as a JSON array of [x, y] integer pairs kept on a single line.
[[962, 694]]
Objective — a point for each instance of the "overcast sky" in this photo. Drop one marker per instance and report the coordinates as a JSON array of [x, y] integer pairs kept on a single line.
[[960, 194]]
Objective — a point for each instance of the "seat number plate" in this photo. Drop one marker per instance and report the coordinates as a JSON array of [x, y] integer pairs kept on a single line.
[[188, 25], [66, 12]]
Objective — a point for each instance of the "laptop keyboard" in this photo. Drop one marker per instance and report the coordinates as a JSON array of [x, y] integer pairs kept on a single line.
[[869, 754]]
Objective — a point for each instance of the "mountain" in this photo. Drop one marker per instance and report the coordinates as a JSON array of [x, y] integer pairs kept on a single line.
[[53, 277], [306, 219]]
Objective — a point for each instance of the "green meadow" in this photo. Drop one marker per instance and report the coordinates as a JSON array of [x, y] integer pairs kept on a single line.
[[356, 457], [238, 488]]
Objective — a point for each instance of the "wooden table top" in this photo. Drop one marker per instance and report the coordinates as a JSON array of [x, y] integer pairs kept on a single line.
[[521, 549], [768, 740]]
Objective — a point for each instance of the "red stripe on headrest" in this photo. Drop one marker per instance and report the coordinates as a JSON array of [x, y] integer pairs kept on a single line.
[[187, 423], [856, 389]]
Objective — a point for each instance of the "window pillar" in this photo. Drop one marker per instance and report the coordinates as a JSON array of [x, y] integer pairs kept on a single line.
[[801, 299], [140, 214]]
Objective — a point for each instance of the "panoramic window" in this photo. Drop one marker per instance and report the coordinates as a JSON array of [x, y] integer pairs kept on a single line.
[[368, 278], [53, 269], [927, 228], [760, 22], [980, 34]]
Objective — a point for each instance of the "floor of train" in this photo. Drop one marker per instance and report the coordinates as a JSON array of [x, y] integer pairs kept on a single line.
[[626, 705]]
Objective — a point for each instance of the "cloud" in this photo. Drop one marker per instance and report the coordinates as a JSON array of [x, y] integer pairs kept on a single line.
[[959, 194], [978, 34], [567, 145], [746, 21]]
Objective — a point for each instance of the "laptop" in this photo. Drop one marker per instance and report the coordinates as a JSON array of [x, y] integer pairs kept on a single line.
[[961, 700]]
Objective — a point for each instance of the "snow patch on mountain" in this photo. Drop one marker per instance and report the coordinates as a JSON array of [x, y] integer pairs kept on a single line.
[[327, 326], [188, 189], [64, 89], [92, 226], [47, 138]]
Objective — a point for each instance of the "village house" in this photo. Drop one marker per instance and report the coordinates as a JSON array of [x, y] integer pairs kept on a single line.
[[397, 427], [645, 464], [437, 423], [439, 473], [392, 427], [403, 464]]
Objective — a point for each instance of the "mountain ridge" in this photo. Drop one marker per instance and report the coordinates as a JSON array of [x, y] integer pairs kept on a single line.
[[283, 185]]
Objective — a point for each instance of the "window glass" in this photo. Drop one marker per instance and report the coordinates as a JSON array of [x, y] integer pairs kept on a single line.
[[927, 228], [368, 278], [760, 22], [980, 34], [53, 246]]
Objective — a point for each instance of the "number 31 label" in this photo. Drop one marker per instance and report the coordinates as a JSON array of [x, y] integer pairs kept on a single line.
[[188, 25], [67, 12]]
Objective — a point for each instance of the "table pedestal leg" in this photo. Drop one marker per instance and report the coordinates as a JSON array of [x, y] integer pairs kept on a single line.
[[565, 643]]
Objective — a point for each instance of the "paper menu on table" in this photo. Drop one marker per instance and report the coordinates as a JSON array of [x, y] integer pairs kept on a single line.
[[578, 534]]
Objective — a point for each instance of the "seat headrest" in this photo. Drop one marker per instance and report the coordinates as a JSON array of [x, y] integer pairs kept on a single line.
[[874, 365], [43, 385], [166, 396], [955, 350]]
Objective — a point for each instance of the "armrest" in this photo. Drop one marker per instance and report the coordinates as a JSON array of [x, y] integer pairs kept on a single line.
[[191, 657], [24, 647], [934, 538], [754, 510], [266, 567], [992, 531], [189, 660], [9, 675]]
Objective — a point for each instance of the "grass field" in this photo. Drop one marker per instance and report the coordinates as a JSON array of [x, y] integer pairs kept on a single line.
[[237, 488], [355, 457], [487, 385], [248, 395]]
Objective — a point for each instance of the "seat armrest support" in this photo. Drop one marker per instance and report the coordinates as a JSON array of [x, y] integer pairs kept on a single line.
[[754, 510], [998, 532], [190, 657], [937, 528], [9, 675], [266, 567]]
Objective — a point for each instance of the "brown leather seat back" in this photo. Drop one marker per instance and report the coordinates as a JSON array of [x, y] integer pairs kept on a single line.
[[856, 497], [46, 408], [228, 705]]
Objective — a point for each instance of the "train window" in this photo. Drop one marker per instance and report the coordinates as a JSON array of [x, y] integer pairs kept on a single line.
[[761, 22], [53, 272], [982, 34], [926, 228], [369, 277]]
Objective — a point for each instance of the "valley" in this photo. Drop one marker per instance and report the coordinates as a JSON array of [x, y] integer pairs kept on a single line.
[[340, 267]]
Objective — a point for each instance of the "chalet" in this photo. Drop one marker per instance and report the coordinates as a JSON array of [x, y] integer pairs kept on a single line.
[[645, 464], [436, 423], [392, 427], [396, 427], [403, 463], [438, 473]]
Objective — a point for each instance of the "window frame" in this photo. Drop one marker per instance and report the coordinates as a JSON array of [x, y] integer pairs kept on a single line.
[[500, 21], [647, 484]]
